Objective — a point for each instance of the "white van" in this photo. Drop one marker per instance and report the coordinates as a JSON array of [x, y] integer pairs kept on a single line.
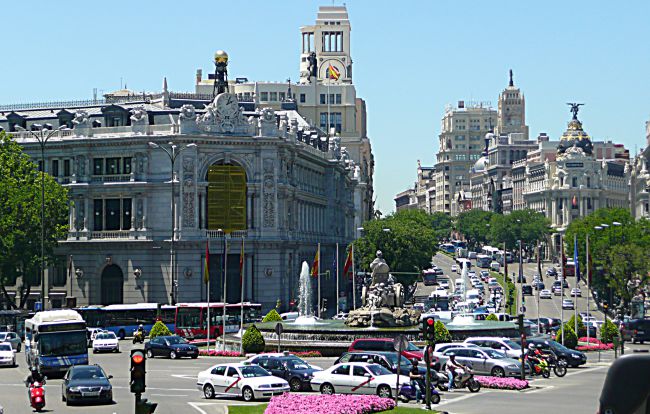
[[473, 296], [495, 266]]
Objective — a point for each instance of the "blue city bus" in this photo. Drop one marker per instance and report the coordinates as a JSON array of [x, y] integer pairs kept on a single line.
[[447, 247], [123, 320], [55, 341]]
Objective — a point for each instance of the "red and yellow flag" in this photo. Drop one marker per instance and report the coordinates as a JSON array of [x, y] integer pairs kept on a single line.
[[333, 73], [206, 272], [314, 266], [347, 267]]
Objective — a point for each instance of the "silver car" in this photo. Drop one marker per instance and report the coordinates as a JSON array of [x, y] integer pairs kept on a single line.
[[13, 338], [487, 361]]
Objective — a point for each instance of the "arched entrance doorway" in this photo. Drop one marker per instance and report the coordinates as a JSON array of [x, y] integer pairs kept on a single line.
[[112, 285]]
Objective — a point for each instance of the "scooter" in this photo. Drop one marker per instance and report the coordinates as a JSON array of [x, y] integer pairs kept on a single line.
[[37, 395], [407, 393], [464, 378], [138, 336]]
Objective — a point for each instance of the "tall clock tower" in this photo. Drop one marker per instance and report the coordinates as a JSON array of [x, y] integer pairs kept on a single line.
[[512, 111], [328, 41]]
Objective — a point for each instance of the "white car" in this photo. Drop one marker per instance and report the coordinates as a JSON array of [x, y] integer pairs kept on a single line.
[[240, 380], [545, 294], [444, 284], [567, 304], [357, 378], [576, 292], [106, 342], [495, 266], [454, 268], [7, 355], [506, 345]]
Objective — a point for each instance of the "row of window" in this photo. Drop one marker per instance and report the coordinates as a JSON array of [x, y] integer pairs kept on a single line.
[[112, 166], [336, 121], [332, 41], [55, 168], [274, 96], [112, 214], [334, 98]]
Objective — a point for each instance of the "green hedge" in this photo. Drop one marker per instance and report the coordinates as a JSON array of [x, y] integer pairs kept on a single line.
[[570, 338], [272, 316], [608, 332], [582, 330], [159, 329], [442, 334], [492, 317], [253, 341]]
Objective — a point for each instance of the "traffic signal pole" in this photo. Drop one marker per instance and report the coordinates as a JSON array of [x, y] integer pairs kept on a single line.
[[137, 383], [429, 333]]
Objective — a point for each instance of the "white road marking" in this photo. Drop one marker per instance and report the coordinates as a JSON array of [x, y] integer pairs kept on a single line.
[[169, 395], [464, 397], [192, 377]]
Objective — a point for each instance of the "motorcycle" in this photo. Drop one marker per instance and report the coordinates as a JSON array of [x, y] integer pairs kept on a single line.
[[464, 378], [138, 336], [37, 395], [559, 365], [407, 393], [542, 365]]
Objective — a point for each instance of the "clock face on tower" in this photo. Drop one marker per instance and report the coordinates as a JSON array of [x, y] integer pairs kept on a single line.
[[331, 69], [227, 104]]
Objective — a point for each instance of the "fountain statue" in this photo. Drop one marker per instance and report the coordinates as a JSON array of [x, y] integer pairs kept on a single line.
[[305, 316], [383, 301]]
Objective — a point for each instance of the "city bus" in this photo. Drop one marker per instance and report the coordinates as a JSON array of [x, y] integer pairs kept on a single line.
[[490, 251], [123, 320], [429, 277], [13, 320], [447, 247], [483, 261], [462, 261], [192, 318], [55, 341]]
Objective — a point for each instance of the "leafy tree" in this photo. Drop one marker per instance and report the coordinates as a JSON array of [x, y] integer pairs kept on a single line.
[[526, 225], [20, 221], [608, 332], [475, 226], [272, 316], [406, 238], [492, 317], [570, 338], [442, 333], [582, 330], [159, 329], [253, 341]]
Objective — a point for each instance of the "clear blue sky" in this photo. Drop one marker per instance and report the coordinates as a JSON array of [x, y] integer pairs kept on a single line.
[[410, 59]]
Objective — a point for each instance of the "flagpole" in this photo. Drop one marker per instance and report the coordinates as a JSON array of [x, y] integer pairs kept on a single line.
[[576, 267], [588, 292], [318, 270], [354, 284], [562, 279], [241, 299], [207, 271], [225, 288], [337, 278]]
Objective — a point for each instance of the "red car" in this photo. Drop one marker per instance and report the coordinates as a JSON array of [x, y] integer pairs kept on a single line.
[[385, 344]]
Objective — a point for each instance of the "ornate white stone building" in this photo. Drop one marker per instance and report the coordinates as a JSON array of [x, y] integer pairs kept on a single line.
[[249, 159], [640, 181]]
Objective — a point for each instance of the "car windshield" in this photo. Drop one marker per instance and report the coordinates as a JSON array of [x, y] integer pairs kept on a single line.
[[511, 344], [493, 353], [558, 346], [250, 371], [173, 340], [378, 370], [5, 347], [110, 335], [85, 373], [297, 364]]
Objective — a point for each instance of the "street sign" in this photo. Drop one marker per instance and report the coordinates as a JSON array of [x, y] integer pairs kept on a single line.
[[400, 343], [279, 328], [38, 306], [522, 309]]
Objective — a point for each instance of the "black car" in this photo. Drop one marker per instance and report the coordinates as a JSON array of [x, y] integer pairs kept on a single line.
[[551, 271], [539, 285], [86, 383], [387, 360], [294, 370], [573, 358], [527, 289], [170, 346]]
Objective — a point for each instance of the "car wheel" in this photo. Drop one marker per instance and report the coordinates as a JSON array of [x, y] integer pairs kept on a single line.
[[173, 355], [384, 391], [295, 384], [327, 389], [208, 391], [498, 372], [247, 394]]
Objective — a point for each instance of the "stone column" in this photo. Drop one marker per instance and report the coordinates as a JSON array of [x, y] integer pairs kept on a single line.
[[86, 212]]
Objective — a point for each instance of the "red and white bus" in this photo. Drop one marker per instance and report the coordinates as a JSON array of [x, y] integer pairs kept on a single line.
[[192, 318]]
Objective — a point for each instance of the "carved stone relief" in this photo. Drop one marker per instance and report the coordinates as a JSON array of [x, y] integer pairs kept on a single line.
[[189, 213], [268, 191]]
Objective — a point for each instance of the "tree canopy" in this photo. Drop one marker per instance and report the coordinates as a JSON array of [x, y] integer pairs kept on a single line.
[[20, 221], [474, 225], [526, 225]]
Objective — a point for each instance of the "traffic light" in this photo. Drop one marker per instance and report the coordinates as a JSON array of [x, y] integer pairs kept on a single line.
[[145, 407], [605, 306], [429, 328], [138, 379], [520, 324]]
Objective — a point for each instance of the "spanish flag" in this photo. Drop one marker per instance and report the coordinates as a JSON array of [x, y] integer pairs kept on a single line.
[[314, 266], [333, 73], [206, 272], [348, 262]]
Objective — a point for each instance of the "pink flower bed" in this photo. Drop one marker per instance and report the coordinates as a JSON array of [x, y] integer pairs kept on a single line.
[[328, 404], [593, 344], [502, 383], [590, 340], [214, 353]]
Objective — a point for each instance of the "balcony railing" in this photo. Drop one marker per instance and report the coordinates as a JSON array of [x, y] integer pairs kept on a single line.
[[218, 234], [112, 178], [110, 234]]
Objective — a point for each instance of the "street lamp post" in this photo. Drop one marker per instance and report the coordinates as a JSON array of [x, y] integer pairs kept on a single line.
[[42, 139], [172, 152]]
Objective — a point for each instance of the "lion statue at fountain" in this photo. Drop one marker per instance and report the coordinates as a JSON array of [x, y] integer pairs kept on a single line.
[[382, 301]]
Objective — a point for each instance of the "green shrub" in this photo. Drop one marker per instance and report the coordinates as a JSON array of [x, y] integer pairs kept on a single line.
[[159, 329], [570, 338], [442, 334], [492, 317], [582, 329], [608, 332], [253, 341], [272, 316]]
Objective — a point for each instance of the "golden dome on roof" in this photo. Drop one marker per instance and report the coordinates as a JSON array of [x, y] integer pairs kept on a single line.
[[220, 57]]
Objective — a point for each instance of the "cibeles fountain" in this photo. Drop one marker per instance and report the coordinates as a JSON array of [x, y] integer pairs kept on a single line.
[[382, 301]]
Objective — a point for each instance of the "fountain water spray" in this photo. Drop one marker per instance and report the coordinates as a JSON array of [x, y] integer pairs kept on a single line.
[[305, 297]]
